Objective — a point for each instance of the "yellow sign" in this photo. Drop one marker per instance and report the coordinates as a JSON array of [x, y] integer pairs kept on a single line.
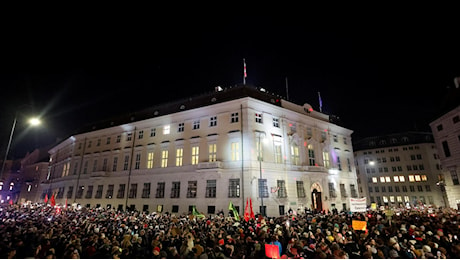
[[359, 225]]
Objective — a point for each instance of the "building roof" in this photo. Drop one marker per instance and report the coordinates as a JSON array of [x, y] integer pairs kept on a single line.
[[219, 95], [390, 140]]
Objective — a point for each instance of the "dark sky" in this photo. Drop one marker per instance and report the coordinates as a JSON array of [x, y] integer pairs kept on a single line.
[[378, 75]]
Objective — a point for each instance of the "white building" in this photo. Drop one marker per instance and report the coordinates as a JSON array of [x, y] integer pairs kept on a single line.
[[398, 169], [205, 151], [446, 132]]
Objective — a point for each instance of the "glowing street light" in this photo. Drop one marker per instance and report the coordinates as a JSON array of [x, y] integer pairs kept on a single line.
[[33, 122]]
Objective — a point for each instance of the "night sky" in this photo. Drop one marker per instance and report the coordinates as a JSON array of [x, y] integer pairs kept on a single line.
[[378, 75]]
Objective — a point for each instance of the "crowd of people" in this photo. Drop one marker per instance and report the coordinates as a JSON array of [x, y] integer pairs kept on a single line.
[[42, 231]]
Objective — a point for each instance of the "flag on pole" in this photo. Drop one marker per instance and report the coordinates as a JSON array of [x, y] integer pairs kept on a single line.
[[320, 103], [252, 211], [52, 201], [246, 211], [196, 213], [233, 209], [245, 75], [46, 198]]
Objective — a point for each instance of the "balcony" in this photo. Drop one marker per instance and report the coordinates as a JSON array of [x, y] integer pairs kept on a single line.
[[209, 165]]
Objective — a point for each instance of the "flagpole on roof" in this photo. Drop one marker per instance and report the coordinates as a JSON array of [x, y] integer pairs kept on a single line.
[[320, 103], [287, 92], [244, 72]]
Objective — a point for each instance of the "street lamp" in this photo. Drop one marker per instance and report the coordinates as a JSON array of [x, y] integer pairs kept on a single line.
[[32, 122]]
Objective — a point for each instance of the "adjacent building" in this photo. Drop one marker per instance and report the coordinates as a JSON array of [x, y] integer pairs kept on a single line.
[[399, 169], [206, 151], [446, 131]]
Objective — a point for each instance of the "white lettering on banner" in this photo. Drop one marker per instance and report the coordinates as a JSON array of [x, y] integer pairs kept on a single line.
[[358, 205]]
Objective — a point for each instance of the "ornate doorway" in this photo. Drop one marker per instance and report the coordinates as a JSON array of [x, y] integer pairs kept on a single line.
[[316, 199]]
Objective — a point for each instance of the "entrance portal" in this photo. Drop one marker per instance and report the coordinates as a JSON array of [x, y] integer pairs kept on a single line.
[[316, 201]]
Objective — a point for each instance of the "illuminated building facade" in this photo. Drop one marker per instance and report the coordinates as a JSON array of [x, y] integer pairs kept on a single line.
[[446, 132], [399, 169], [206, 151]]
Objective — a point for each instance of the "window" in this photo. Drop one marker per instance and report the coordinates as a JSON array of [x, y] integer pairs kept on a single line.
[[335, 138], [258, 117], [75, 168], [181, 127], [332, 192], [146, 190], [129, 136], [234, 188], [109, 193], [404, 188], [263, 188], [374, 179], [419, 188], [166, 129], [276, 122], [456, 119], [160, 190], [234, 118], [277, 150], [94, 165], [118, 138], [384, 189], [300, 189], [390, 189], [195, 154], [454, 175], [382, 179], [212, 152], [79, 193], [281, 184], [387, 179], [213, 121], [99, 191], [179, 156], [175, 189], [343, 191], [326, 160], [344, 140], [70, 192], [339, 164], [397, 189], [108, 140], [196, 125], [411, 178], [427, 187], [311, 155], [114, 165], [192, 189], [349, 164], [412, 188], [164, 158], [439, 127], [417, 178], [235, 151], [445, 147], [85, 167], [150, 160], [353, 191], [153, 132], [104, 164], [141, 134], [121, 191], [295, 154], [137, 165], [396, 178], [211, 189]]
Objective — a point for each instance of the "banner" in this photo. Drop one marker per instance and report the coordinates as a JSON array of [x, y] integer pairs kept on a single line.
[[272, 251], [234, 211], [358, 205]]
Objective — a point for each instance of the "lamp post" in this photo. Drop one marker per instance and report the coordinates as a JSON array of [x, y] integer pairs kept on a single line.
[[32, 121]]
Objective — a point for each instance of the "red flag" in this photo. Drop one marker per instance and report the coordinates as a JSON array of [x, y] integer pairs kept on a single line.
[[272, 251], [252, 210], [46, 198], [246, 211], [11, 202], [53, 202]]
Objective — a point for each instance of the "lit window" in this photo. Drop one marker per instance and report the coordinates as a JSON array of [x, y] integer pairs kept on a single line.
[[382, 179], [402, 178], [387, 179], [179, 156], [396, 178], [258, 117], [424, 178], [417, 178], [212, 152], [374, 179], [166, 129], [411, 178], [150, 160], [195, 154], [235, 151], [164, 158]]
